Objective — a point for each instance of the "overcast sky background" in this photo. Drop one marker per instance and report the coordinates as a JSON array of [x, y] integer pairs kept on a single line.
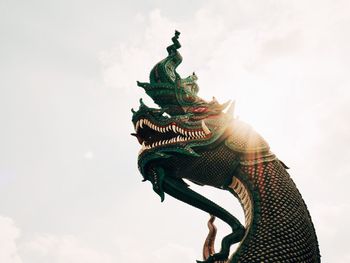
[[70, 190]]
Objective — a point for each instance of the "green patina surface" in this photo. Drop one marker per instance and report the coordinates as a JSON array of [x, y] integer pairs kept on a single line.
[[190, 138]]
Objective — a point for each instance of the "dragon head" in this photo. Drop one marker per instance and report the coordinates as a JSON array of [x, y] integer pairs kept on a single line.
[[183, 122]]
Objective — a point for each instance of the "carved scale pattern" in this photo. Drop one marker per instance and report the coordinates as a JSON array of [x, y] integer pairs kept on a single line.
[[283, 230]]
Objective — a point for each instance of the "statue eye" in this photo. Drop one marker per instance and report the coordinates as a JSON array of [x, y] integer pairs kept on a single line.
[[200, 109], [166, 115]]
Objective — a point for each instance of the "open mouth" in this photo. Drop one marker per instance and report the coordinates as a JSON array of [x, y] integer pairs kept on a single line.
[[151, 135]]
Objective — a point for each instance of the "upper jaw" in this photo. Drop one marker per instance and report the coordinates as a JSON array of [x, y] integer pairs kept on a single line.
[[152, 135], [172, 126]]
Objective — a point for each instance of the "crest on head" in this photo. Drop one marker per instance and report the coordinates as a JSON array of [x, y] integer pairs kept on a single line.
[[172, 93], [184, 121]]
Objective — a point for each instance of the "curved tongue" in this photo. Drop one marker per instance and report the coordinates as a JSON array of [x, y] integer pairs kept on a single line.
[[208, 247]]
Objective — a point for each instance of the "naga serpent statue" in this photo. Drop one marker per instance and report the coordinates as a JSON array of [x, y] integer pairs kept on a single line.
[[190, 138]]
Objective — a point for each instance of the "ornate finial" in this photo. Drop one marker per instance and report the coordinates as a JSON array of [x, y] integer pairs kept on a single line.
[[176, 44], [166, 87]]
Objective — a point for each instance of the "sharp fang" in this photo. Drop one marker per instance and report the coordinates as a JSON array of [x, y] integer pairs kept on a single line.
[[205, 128], [137, 125], [141, 123], [173, 128]]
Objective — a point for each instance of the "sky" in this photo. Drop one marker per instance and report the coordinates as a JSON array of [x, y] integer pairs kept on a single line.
[[70, 190]]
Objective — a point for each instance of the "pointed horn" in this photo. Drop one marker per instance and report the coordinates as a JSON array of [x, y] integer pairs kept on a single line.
[[231, 109], [143, 85], [225, 105]]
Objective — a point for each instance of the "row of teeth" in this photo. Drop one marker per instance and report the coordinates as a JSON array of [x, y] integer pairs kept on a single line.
[[188, 135], [174, 128], [163, 142]]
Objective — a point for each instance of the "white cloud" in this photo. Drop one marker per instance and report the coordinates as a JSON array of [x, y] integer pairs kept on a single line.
[[133, 249], [61, 249], [8, 247], [286, 64], [44, 248], [331, 220], [172, 252], [127, 61], [89, 155]]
